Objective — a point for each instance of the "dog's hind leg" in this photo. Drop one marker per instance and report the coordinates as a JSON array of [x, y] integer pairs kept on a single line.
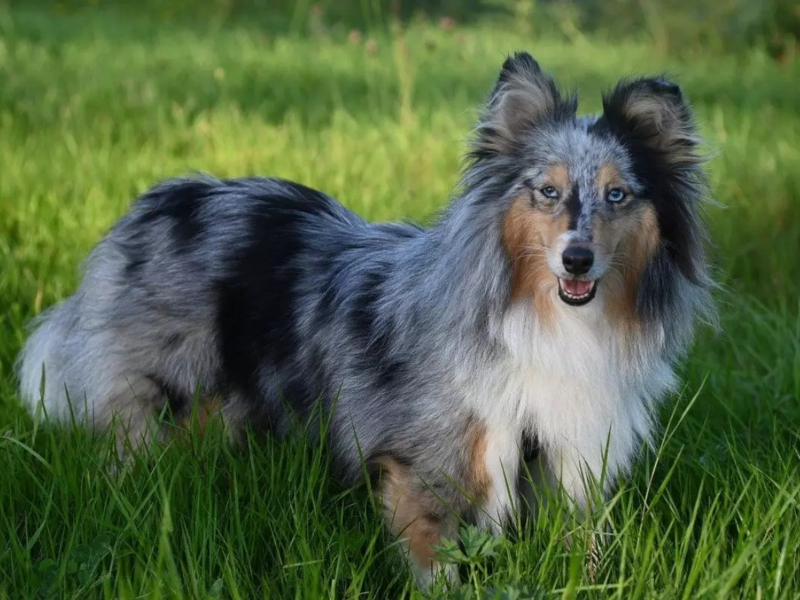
[[132, 409], [418, 518]]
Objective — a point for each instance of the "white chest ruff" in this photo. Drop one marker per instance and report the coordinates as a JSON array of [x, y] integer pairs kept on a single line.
[[587, 399]]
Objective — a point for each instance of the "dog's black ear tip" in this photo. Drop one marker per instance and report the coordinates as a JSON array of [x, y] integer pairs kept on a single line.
[[649, 86], [664, 85], [520, 61]]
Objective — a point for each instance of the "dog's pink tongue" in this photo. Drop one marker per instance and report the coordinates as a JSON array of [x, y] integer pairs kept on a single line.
[[576, 288]]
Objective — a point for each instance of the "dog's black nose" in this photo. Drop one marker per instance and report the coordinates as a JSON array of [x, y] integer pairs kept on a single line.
[[577, 260]]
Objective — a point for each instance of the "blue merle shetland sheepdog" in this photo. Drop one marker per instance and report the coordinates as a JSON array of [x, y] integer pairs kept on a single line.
[[545, 309]]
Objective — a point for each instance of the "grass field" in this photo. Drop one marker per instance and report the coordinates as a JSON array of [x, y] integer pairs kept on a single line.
[[98, 103]]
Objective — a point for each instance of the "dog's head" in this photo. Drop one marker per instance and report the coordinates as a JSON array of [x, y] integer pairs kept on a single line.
[[596, 206]]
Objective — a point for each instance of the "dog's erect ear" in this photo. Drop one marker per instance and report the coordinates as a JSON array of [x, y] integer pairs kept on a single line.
[[653, 113], [522, 97]]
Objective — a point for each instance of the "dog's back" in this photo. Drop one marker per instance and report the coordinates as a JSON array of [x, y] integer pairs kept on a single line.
[[191, 292]]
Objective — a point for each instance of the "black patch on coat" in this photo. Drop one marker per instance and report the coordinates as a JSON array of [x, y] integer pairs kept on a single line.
[[180, 203], [256, 317], [375, 336], [657, 287]]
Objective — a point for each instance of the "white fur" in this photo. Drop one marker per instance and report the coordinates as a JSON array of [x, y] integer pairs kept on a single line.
[[502, 464], [588, 401]]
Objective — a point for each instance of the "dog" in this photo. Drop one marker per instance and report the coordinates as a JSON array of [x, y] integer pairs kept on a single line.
[[542, 315]]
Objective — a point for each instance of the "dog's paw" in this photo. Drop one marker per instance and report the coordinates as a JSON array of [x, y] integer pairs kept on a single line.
[[426, 577]]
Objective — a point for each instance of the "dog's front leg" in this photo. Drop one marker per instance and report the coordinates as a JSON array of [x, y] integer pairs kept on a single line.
[[568, 469], [500, 461]]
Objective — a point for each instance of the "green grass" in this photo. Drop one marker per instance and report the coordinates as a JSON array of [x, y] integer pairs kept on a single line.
[[98, 103]]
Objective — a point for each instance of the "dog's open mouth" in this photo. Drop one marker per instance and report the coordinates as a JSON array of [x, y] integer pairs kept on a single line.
[[575, 292]]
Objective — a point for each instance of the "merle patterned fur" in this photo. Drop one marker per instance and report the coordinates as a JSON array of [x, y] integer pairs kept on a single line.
[[271, 296]]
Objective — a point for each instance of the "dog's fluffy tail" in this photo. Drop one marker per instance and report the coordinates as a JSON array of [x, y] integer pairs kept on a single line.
[[69, 370], [41, 363]]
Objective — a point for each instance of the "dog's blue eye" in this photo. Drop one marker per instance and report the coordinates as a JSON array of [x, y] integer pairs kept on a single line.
[[550, 192], [615, 195]]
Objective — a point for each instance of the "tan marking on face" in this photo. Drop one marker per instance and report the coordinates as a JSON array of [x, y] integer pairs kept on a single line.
[[410, 511], [478, 481], [608, 177], [528, 233], [558, 176], [635, 238]]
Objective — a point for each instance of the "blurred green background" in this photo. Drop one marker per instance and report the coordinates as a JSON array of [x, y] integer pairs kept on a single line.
[[373, 102]]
